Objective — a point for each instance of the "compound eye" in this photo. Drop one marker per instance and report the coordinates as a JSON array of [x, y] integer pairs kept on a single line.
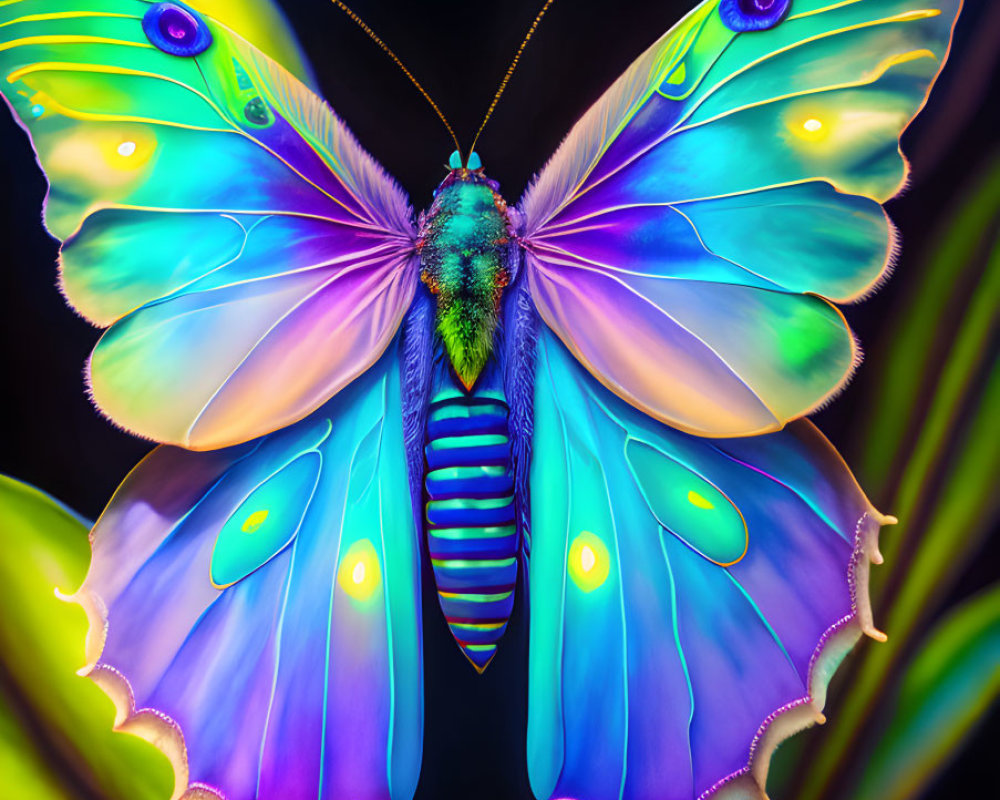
[[752, 15]]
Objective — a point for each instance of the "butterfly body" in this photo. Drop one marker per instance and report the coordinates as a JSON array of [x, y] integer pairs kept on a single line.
[[462, 443], [465, 258]]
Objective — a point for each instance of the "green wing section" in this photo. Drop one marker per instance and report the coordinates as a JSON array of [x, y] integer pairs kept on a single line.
[[721, 194], [211, 206]]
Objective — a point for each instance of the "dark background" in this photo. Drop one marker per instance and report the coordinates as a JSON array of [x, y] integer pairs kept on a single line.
[[51, 436]]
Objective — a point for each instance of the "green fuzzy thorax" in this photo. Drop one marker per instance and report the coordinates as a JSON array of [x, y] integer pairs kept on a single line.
[[463, 256]]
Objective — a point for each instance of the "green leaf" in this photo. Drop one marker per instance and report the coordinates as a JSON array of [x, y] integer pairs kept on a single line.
[[49, 715], [908, 362], [946, 690], [23, 767]]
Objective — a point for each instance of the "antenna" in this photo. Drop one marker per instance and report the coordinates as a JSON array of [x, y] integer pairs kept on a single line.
[[510, 71], [361, 24]]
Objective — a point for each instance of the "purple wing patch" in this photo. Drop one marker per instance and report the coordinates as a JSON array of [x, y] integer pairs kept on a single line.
[[255, 610]]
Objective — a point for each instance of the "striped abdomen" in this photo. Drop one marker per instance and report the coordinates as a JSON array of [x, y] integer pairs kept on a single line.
[[471, 531]]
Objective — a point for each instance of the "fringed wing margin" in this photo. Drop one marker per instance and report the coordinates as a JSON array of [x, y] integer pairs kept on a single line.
[[690, 598]]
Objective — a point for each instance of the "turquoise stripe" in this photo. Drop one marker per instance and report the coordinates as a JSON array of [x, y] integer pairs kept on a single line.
[[477, 597], [467, 442], [464, 503], [460, 563], [494, 532], [466, 473]]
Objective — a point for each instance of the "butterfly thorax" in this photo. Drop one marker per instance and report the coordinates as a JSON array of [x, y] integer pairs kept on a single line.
[[464, 246]]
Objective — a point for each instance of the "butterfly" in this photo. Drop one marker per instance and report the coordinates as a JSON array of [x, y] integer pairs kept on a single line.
[[595, 396]]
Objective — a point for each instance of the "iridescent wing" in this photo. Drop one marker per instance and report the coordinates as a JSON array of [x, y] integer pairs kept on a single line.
[[685, 238], [250, 258], [690, 598], [255, 609]]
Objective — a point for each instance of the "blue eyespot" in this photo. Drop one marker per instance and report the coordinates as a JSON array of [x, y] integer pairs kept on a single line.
[[752, 15], [256, 113], [455, 160], [475, 162], [176, 29]]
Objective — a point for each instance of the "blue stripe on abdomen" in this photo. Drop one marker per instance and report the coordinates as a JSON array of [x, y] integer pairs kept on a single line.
[[471, 532]]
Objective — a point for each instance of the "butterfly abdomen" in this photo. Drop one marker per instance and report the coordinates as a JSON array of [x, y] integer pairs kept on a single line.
[[471, 531]]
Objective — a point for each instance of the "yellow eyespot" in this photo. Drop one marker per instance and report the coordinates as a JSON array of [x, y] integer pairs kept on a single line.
[[678, 76], [107, 156], [589, 562], [699, 501], [254, 521], [808, 126], [360, 574]]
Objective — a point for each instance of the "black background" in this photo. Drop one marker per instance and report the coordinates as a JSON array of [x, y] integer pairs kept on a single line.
[[51, 436]]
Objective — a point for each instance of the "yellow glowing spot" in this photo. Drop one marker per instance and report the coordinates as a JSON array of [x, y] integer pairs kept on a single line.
[[254, 521], [806, 125], [678, 76], [109, 157], [360, 575], [589, 562], [699, 501]]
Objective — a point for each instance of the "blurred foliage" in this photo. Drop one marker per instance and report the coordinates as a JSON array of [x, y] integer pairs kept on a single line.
[[56, 737], [945, 690], [930, 443]]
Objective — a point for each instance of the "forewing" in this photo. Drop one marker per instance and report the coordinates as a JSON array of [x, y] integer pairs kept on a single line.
[[690, 598], [687, 238], [255, 610], [250, 258]]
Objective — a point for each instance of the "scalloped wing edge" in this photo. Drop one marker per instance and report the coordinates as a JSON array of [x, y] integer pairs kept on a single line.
[[750, 782], [150, 724], [154, 726]]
